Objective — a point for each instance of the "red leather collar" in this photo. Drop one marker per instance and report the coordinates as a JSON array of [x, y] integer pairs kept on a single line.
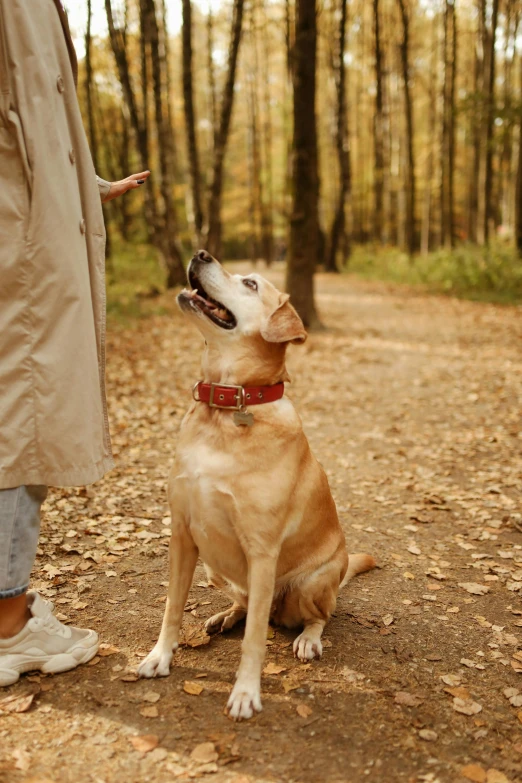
[[219, 395]]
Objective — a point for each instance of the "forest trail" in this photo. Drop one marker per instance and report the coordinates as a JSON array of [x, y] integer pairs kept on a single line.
[[413, 404]]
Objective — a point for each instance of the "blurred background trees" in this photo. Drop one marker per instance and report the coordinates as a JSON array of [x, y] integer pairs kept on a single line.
[[309, 131]]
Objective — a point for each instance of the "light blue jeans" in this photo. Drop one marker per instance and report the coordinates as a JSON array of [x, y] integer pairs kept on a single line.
[[19, 531]]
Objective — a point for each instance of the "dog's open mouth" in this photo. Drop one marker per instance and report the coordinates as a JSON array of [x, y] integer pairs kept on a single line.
[[216, 311]]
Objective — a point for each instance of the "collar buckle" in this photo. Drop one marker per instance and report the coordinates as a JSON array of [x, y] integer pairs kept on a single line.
[[240, 396]]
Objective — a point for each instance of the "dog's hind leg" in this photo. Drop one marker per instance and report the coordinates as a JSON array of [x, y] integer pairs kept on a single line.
[[183, 555], [224, 621], [311, 604]]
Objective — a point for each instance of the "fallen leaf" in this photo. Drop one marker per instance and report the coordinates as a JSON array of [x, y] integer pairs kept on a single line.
[[274, 668], [474, 772], [468, 663], [22, 759], [451, 679], [149, 712], [16, 703], [459, 691], [388, 619], [466, 706], [428, 735], [496, 776], [107, 649], [205, 753], [144, 743], [195, 637], [414, 549], [151, 696], [474, 588], [407, 699], [193, 688], [303, 710], [290, 685]]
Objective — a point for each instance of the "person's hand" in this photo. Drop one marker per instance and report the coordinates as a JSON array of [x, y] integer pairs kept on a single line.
[[123, 185]]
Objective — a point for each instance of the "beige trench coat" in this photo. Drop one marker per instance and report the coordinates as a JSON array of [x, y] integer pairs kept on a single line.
[[53, 413]]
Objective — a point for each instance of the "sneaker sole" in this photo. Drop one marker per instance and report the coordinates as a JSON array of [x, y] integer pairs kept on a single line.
[[52, 664]]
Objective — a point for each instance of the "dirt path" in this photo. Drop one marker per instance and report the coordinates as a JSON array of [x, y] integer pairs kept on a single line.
[[413, 404]]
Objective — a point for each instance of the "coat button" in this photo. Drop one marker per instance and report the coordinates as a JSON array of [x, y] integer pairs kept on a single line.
[[83, 227], [60, 84], [72, 156]]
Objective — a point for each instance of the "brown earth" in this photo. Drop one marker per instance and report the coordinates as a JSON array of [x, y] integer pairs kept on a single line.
[[413, 405]]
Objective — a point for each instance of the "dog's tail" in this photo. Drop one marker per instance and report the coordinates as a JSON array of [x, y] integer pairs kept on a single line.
[[357, 564]]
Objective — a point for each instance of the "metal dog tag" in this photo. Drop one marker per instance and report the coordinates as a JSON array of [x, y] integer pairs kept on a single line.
[[243, 418]]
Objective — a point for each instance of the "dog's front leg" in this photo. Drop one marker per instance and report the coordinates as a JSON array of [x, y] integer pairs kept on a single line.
[[183, 555], [245, 698]]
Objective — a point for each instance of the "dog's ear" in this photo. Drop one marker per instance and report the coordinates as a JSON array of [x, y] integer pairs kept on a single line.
[[284, 325]]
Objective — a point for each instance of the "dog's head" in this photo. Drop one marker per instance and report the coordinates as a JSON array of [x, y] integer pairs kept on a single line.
[[227, 307]]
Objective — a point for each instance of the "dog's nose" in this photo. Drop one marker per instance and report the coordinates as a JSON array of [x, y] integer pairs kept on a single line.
[[202, 255]]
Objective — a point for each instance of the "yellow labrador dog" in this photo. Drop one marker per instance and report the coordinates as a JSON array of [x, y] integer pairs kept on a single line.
[[246, 493]]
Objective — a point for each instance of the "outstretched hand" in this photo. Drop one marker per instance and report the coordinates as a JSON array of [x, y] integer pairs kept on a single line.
[[123, 185]]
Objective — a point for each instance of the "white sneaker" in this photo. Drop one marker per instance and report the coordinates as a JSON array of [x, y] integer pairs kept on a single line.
[[44, 644]]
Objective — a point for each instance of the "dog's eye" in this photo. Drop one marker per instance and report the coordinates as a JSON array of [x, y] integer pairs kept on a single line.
[[250, 283]]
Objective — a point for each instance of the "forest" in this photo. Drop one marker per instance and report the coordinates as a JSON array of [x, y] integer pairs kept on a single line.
[[381, 136]]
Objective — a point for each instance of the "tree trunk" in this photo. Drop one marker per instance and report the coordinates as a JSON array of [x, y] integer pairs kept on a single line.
[[211, 76], [490, 112], [213, 239], [89, 88], [190, 123], [378, 131], [518, 192], [339, 235], [507, 167], [304, 221], [427, 206], [169, 244], [448, 127], [117, 40], [267, 216], [408, 110], [477, 123], [256, 184]]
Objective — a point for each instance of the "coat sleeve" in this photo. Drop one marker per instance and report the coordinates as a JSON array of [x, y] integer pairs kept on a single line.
[[104, 187]]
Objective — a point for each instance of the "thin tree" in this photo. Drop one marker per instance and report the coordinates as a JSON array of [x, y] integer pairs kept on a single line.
[[89, 87], [408, 111], [490, 114], [378, 129], [118, 45], [447, 164], [211, 76], [169, 229], [190, 123], [304, 220], [267, 216], [477, 124], [427, 210], [214, 231], [518, 191], [339, 237]]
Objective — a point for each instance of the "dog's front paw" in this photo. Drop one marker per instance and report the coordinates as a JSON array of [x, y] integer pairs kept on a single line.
[[307, 648], [244, 701], [157, 662]]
